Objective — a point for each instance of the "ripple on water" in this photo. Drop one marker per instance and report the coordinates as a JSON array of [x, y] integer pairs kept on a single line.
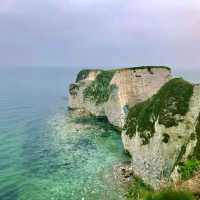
[[60, 159]]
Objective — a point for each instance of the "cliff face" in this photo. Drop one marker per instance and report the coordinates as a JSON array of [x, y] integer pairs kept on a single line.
[[161, 133], [133, 86], [159, 116], [77, 99], [112, 93]]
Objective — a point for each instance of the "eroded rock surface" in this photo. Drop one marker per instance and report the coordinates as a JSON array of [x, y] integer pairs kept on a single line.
[[156, 160], [192, 184], [130, 86], [159, 116]]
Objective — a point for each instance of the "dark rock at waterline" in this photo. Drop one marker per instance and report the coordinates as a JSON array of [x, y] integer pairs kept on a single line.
[[123, 173]]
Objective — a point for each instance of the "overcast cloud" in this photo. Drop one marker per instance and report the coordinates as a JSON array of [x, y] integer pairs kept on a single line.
[[100, 33]]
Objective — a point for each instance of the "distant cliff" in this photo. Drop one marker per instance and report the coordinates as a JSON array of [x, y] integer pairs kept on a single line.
[[159, 117]]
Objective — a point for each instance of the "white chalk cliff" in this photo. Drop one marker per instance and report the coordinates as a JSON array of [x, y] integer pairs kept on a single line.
[[158, 116], [133, 85]]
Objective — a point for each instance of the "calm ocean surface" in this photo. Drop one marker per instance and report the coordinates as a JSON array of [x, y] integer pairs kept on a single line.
[[44, 153]]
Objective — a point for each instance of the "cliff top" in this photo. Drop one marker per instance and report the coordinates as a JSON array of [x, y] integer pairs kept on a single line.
[[144, 67], [128, 68], [99, 89], [85, 72]]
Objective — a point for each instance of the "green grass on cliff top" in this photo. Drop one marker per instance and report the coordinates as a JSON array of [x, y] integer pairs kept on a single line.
[[149, 68], [171, 100], [82, 75], [85, 72]]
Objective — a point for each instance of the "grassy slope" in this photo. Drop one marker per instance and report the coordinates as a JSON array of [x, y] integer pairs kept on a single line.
[[171, 100]]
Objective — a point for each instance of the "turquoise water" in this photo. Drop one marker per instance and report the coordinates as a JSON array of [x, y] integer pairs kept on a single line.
[[46, 154]]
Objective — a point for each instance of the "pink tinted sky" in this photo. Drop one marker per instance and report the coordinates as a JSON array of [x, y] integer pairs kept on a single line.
[[100, 33]]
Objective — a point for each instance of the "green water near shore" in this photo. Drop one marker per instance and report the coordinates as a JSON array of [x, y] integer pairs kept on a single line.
[[44, 152]]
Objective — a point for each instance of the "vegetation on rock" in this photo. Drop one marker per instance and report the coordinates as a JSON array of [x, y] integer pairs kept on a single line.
[[167, 106], [73, 88], [83, 74], [196, 153], [149, 68], [99, 90], [170, 194], [188, 168], [138, 190]]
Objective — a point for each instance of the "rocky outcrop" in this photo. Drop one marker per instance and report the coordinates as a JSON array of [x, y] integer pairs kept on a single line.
[[192, 184], [167, 135], [126, 87], [83, 80], [159, 116]]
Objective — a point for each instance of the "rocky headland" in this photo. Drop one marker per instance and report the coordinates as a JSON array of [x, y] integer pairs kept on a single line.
[[158, 117]]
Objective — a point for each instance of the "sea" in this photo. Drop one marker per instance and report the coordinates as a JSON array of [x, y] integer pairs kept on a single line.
[[46, 153]]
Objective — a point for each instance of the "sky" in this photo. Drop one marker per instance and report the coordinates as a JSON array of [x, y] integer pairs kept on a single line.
[[100, 33]]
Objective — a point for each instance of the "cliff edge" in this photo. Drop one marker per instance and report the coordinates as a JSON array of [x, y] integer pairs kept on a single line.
[[112, 93], [161, 133], [159, 117]]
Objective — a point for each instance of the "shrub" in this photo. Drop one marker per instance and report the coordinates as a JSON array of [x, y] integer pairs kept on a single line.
[[73, 89], [197, 148], [140, 191], [170, 194], [99, 90], [137, 190], [188, 168], [171, 100], [83, 74]]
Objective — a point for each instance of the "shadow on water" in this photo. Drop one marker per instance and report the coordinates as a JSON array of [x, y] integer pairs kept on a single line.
[[98, 122]]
